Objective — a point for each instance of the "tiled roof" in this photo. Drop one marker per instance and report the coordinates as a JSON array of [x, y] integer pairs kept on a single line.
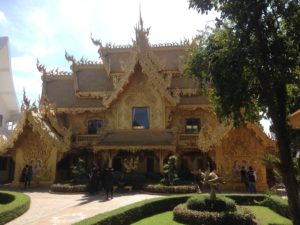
[[139, 137], [61, 92]]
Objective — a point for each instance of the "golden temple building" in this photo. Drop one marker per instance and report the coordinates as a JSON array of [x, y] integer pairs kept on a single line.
[[134, 108]]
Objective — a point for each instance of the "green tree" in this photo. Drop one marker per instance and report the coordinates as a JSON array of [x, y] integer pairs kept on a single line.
[[170, 172], [79, 173], [251, 59]]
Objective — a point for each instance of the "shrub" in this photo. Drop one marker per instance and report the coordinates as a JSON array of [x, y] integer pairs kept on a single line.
[[10, 210], [79, 173], [179, 189], [247, 199], [68, 188], [6, 198], [137, 211], [204, 203], [186, 216], [277, 204]]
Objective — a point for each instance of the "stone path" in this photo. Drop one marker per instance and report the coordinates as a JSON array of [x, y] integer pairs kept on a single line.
[[61, 209]]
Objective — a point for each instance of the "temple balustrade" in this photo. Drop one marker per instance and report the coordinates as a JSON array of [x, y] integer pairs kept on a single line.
[[87, 139], [187, 140]]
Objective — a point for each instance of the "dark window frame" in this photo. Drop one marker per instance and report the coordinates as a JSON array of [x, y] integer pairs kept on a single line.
[[1, 120], [141, 126], [95, 130], [192, 125]]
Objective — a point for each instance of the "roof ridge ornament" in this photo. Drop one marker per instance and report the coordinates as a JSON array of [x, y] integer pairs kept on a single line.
[[141, 35], [70, 58]]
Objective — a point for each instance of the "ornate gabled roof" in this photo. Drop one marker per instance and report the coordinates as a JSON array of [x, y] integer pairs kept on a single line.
[[211, 136], [40, 125], [142, 57], [93, 86]]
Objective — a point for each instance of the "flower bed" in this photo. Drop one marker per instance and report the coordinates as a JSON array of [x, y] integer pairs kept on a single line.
[[68, 188], [176, 189], [12, 205]]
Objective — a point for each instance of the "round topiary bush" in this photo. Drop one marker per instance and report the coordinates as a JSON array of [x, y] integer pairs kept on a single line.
[[187, 216], [204, 203]]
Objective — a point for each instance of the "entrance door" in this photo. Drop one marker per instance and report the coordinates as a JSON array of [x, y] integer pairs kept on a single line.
[[117, 164]]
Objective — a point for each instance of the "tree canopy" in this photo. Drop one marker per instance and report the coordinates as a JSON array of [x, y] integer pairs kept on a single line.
[[251, 63]]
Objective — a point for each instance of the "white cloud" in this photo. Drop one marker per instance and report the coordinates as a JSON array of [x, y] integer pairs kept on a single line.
[[26, 76], [25, 63], [2, 17]]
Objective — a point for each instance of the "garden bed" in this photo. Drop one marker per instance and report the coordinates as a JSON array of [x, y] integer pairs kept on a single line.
[[175, 189], [71, 188]]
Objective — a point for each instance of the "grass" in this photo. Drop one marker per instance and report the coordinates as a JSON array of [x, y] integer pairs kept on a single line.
[[267, 216], [165, 218]]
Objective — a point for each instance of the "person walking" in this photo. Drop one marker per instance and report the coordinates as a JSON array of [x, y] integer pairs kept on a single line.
[[29, 176], [109, 183], [251, 180], [24, 176], [244, 178], [93, 179]]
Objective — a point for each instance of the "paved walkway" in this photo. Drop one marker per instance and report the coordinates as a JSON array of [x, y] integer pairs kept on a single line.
[[61, 209]]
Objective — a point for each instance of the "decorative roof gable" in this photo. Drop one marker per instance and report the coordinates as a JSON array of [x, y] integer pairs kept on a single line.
[[142, 55]]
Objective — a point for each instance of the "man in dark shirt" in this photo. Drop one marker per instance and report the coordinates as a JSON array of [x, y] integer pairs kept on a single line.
[[251, 180], [109, 182]]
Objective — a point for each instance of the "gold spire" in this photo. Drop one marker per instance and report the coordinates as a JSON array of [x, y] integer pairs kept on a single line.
[[141, 34]]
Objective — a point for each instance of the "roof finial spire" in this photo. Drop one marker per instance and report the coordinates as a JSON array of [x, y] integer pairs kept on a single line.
[[141, 20], [140, 32]]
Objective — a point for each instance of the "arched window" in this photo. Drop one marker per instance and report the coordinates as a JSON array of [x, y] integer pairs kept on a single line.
[[94, 126]]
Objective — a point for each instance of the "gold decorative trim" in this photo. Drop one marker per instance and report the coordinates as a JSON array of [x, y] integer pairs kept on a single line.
[[134, 147]]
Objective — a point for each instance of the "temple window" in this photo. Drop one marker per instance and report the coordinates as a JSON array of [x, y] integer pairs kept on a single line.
[[1, 120], [94, 126], [140, 118], [192, 125]]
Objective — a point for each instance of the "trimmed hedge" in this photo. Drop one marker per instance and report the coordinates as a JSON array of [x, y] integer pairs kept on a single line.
[[68, 188], [246, 199], [203, 203], [177, 189], [10, 210], [137, 211], [241, 216], [277, 204]]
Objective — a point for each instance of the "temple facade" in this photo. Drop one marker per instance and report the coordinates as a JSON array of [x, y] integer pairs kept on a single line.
[[131, 111]]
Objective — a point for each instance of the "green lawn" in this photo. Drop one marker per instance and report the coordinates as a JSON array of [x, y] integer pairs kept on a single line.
[[267, 216], [165, 218]]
